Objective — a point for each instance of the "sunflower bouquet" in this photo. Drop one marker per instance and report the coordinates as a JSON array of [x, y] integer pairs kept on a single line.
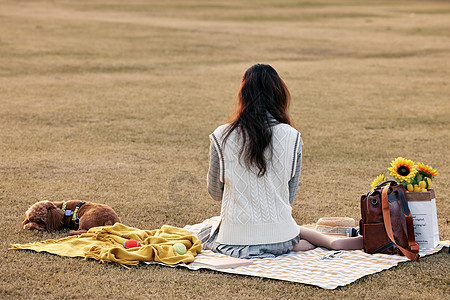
[[415, 178]]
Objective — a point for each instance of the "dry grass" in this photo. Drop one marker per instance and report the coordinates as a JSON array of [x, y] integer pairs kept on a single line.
[[113, 101]]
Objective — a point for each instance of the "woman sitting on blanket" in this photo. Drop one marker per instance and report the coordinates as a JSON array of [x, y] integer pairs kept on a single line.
[[254, 170]]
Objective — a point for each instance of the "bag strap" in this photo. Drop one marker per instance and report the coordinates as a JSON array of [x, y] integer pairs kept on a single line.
[[384, 247], [413, 253], [409, 223]]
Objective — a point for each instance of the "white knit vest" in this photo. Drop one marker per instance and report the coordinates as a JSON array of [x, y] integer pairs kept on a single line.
[[256, 210]]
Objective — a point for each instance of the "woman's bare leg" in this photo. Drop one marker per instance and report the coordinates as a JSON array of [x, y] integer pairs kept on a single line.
[[304, 245], [322, 240], [350, 243]]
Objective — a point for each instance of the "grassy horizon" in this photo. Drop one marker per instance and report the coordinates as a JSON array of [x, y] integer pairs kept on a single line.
[[113, 102]]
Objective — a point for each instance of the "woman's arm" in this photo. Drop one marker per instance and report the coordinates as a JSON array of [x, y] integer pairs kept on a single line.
[[215, 187], [293, 183]]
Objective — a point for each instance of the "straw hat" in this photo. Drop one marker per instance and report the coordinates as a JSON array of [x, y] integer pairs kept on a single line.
[[336, 222]]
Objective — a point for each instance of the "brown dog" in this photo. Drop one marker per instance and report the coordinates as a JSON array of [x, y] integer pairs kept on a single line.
[[77, 215]]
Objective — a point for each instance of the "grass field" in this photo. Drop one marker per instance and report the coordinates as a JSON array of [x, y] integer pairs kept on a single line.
[[113, 102]]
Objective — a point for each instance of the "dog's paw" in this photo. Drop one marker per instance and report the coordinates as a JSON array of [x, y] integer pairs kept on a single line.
[[33, 226], [77, 232], [29, 226]]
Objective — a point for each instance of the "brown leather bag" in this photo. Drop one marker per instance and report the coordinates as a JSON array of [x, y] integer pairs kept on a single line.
[[386, 222]]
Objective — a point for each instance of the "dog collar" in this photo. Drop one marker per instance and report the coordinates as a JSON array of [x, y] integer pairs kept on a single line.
[[69, 213]]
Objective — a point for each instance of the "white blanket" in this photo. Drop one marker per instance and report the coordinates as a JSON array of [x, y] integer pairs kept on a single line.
[[321, 267]]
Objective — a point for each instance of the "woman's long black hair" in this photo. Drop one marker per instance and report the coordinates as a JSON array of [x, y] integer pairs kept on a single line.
[[263, 95]]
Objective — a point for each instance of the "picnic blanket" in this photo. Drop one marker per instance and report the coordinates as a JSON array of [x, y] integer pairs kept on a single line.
[[321, 267], [105, 243]]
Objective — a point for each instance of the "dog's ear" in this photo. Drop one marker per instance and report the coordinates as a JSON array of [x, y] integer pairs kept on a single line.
[[54, 218]]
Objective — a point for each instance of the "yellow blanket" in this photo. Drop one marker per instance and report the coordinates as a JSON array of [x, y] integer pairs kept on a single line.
[[105, 243]]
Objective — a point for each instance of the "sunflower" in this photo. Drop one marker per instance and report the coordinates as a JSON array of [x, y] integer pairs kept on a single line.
[[380, 178], [426, 170], [402, 169]]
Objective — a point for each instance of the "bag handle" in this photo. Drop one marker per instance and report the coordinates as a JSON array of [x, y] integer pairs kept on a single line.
[[413, 253], [381, 184]]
